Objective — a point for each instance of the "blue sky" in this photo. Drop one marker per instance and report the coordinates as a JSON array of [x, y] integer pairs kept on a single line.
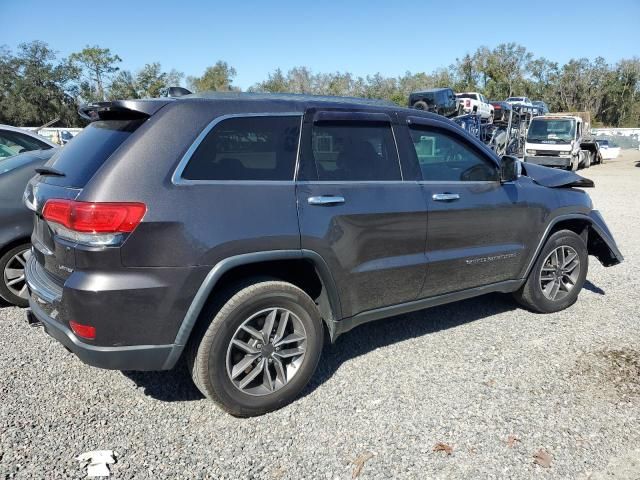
[[362, 37]]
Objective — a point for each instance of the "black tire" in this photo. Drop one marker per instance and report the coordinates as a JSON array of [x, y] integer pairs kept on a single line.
[[208, 351], [575, 163], [420, 105], [8, 260], [531, 295]]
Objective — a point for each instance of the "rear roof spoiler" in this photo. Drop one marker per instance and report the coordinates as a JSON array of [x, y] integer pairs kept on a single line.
[[122, 109]]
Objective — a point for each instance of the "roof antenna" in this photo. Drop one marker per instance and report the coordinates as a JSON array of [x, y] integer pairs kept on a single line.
[[174, 92]]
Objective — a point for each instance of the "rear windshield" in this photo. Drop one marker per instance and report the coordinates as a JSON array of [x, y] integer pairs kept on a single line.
[[467, 95], [80, 159]]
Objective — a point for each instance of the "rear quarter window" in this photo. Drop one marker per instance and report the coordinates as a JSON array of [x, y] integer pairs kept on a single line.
[[247, 148], [80, 159]]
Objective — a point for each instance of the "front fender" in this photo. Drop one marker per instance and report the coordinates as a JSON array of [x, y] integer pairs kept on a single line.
[[601, 243]]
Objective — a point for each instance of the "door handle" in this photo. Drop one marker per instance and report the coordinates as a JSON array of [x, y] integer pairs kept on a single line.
[[445, 197], [325, 200]]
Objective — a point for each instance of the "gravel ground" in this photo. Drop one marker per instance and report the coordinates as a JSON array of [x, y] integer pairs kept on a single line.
[[491, 384]]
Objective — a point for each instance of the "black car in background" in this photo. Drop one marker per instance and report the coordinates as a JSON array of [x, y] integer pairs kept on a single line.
[[501, 111], [435, 100], [16, 222], [237, 230]]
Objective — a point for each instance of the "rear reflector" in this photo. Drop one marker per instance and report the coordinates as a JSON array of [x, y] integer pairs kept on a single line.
[[84, 331], [467, 103], [94, 217]]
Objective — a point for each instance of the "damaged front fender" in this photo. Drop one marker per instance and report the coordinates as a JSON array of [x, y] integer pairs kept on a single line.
[[555, 178], [601, 243]]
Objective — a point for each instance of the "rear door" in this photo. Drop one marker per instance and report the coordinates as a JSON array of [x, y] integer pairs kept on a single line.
[[361, 208], [476, 231]]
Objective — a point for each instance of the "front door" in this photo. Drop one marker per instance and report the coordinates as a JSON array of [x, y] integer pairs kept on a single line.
[[476, 224], [357, 210]]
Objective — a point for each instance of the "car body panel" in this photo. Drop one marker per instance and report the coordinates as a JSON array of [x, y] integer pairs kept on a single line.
[[16, 221]]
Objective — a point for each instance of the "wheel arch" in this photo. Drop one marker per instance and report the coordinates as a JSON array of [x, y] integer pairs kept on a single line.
[[293, 266], [591, 228]]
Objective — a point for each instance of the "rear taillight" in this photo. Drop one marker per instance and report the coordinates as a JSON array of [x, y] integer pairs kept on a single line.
[[467, 103], [92, 223], [84, 331]]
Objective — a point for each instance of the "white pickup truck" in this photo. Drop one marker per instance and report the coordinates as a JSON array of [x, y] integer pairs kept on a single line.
[[474, 102]]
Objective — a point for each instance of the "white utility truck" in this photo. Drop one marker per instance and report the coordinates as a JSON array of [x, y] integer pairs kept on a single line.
[[562, 140]]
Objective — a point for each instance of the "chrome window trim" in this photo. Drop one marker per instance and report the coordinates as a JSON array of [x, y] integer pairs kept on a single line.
[[177, 179], [459, 182]]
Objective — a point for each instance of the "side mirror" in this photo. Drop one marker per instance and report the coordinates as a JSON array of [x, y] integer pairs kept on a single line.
[[510, 168]]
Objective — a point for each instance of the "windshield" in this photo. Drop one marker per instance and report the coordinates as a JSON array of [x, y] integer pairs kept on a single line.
[[552, 131], [467, 95], [515, 99]]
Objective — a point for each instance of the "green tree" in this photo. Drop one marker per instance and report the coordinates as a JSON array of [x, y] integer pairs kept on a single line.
[[36, 87], [97, 66], [217, 78]]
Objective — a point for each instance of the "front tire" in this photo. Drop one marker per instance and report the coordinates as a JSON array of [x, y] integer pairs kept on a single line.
[[259, 350], [558, 274]]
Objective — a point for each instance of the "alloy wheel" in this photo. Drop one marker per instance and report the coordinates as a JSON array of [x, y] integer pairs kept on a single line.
[[559, 273], [266, 351], [14, 274]]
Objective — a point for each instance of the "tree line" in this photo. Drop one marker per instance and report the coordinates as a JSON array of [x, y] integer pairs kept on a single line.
[[37, 87]]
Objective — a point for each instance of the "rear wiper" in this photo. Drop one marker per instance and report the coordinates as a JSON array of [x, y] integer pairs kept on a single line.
[[50, 171]]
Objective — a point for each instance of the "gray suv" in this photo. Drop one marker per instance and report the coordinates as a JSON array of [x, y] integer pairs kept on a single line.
[[238, 230]]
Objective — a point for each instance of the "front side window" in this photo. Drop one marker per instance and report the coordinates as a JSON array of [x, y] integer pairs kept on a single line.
[[247, 148], [445, 158], [351, 151]]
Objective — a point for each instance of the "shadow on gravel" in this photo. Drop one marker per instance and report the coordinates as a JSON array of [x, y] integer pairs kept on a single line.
[[167, 386], [382, 333], [592, 288], [176, 385]]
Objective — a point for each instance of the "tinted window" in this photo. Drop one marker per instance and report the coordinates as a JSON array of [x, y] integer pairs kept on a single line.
[[445, 158], [247, 148], [13, 143], [80, 160], [472, 96], [354, 152]]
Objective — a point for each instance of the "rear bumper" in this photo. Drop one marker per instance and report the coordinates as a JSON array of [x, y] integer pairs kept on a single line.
[[564, 162], [137, 357], [136, 313]]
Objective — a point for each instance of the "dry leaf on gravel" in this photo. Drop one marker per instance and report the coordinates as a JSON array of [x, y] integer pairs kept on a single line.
[[512, 440], [542, 458], [359, 463], [443, 447]]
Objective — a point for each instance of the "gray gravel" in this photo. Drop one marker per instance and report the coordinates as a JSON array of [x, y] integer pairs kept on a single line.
[[495, 383]]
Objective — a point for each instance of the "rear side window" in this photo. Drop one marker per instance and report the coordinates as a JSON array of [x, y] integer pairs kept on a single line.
[[445, 158], [247, 148], [80, 159], [346, 151]]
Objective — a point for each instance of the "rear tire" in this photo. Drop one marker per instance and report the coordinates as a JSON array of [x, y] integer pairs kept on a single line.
[[420, 105], [242, 344], [537, 294], [13, 287]]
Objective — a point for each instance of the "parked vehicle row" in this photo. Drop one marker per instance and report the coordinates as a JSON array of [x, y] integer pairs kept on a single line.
[[268, 221]]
